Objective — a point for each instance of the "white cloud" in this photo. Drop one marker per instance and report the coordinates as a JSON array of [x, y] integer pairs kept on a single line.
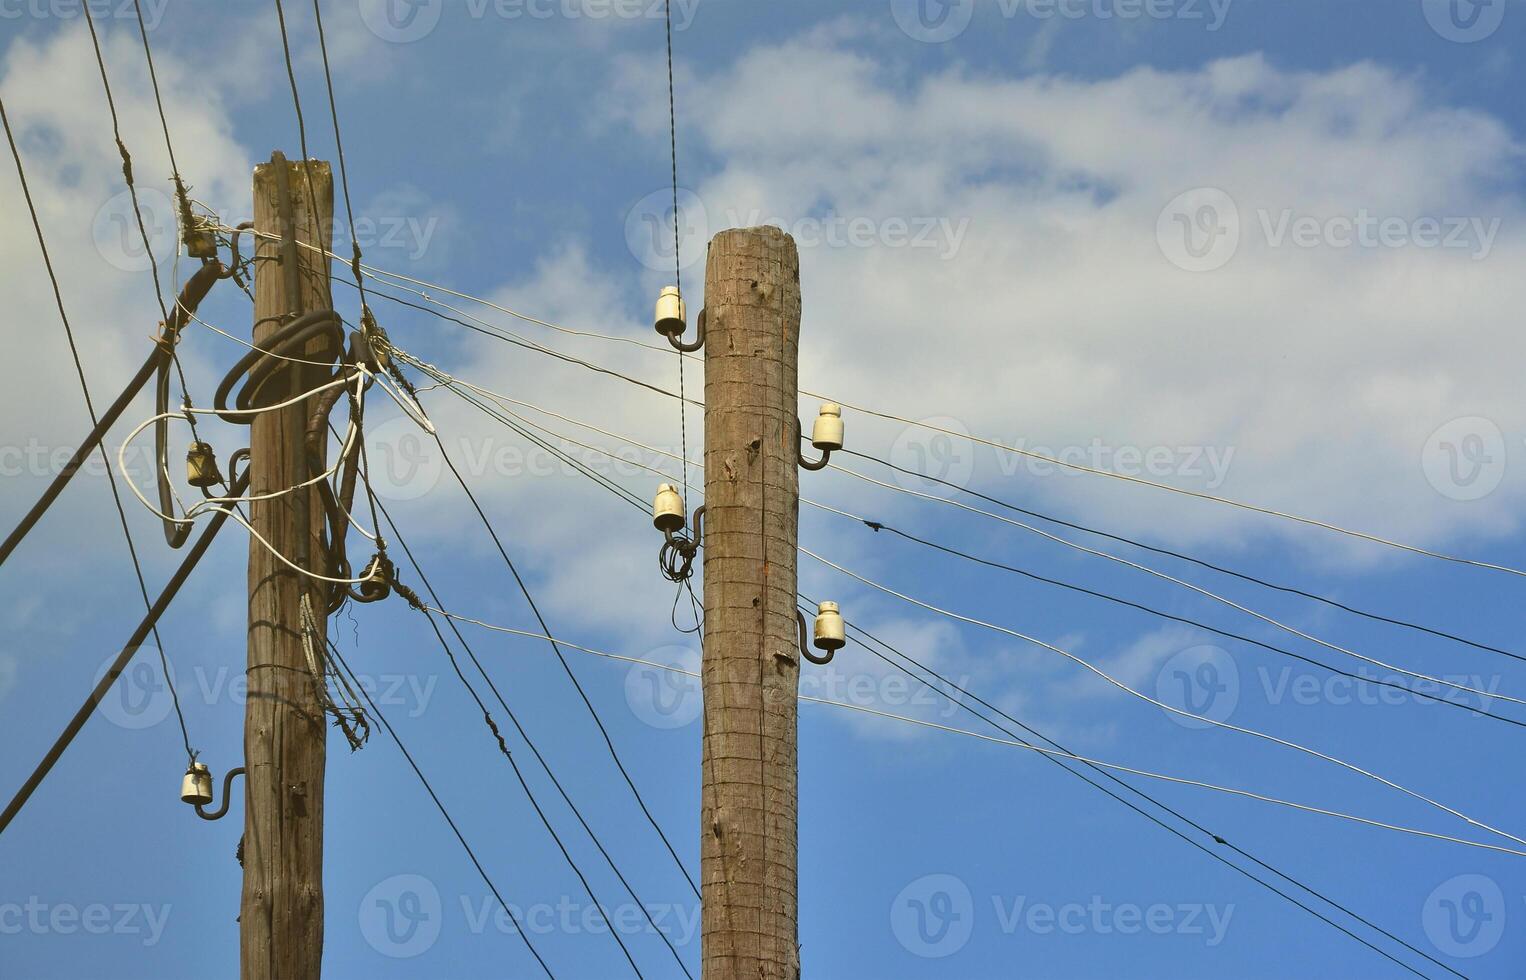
[[53, 94], [1060, 322]]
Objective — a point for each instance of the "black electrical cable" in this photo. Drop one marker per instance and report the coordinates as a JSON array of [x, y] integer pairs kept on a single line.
[[678, 273], [955, 552], [1153, 818], [127, 173], [95, 420], [1325, 600], [534, 750], [516, 341], [561, 657], [556, 647], [1146, 796], [1315, 597], [524, 432], [83, 452], [471, 855], [183, 198], [344, 171], [262, 362], [296, 99], [149, 623], [503, 749]]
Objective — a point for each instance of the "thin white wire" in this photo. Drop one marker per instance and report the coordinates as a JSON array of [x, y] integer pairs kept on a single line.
[[506, 334], [501, 399], [244, 343], [1154, 775], [504, 401], [891, 417], [197, 509], [1268, 511], [213, 505], [287, 561], [491, 627], [527, 318], [1161, 704], [1089, 666], [1175, 581]]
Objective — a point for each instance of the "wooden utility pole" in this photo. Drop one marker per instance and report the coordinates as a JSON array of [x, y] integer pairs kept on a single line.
[[281, 912], [752, 654]]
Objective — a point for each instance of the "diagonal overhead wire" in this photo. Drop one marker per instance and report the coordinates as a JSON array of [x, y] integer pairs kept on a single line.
[[997, 445], [567, 667], [1182, 583], [507, 416], [534, 750], [455, 829], [873, 644], [79, 370], [1315, 753], [1201, 563]]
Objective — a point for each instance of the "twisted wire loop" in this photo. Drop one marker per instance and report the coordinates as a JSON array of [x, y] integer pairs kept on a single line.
[[678, 552], [261, 366]]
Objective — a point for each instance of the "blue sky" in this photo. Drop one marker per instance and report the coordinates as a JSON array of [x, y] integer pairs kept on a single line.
[[1261, 250]]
